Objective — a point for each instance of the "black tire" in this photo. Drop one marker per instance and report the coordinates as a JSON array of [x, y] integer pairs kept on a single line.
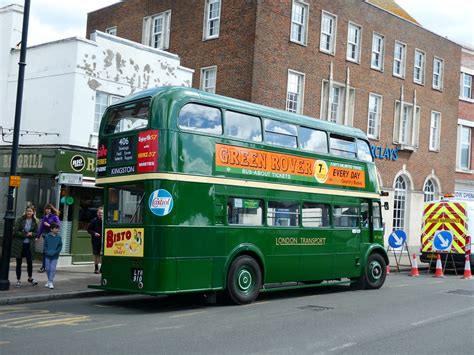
[[244, 280], [374, 275], [376, 271]]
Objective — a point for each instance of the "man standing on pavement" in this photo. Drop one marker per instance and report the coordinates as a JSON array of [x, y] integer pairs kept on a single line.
[[95, 230]]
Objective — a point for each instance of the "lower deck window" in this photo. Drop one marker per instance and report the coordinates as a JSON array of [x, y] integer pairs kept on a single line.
[[283, 214], [346, 216], [315, 215], [245, 211], [125, 204]]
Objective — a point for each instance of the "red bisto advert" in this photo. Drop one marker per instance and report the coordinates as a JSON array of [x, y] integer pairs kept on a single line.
[[147, 151]]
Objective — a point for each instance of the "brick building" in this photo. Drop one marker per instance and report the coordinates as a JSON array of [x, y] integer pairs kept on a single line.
[[363, 63], [464, 159]]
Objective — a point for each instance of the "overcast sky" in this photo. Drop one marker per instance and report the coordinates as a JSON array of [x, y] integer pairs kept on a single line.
[[55, 19]]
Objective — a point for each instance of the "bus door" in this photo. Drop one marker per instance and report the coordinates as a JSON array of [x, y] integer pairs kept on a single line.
[[283, 255], [376, 225], [346, 239], [316, 242]]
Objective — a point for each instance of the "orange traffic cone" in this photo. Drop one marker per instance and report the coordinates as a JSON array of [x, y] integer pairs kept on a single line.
[[388, 270], [467, 268], [414, 267], [439, 267]]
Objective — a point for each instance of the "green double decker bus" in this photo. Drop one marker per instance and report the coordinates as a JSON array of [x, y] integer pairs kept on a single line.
[[206, 193]]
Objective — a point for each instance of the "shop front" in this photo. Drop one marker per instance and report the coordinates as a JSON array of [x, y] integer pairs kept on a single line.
[[64, 177]]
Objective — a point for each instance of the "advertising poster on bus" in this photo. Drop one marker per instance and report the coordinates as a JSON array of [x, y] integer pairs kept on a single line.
[[262, 163]]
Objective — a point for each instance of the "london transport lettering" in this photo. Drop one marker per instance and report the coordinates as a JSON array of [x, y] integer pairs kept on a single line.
[[270, 164], [124, 242], [299, 241]]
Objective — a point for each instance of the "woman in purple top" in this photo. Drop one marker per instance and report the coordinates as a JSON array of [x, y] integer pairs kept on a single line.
[[50, 216]]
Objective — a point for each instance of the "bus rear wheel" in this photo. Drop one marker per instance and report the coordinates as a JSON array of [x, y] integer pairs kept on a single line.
[[374, 276], [244, 280]]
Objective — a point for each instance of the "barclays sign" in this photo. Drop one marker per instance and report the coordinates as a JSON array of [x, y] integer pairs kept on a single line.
[[384, 153]]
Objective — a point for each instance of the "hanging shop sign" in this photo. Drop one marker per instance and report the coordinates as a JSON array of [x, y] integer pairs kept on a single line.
[[70, 179]]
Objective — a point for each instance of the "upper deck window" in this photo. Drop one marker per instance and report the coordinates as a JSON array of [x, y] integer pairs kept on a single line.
[[243, 126], [200, 118], [313, 140], [128, 117], [363, 151], [280, 133], [343, 146]]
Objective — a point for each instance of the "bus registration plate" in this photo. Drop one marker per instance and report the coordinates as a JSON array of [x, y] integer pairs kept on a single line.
[[137, 275]]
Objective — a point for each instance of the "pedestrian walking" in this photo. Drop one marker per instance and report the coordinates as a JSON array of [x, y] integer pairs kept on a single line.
[[51, 215], [23, 246], [95, 230], [52, 247]]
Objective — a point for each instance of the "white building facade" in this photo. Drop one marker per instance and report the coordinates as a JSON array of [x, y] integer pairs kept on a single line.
[[68, 85]]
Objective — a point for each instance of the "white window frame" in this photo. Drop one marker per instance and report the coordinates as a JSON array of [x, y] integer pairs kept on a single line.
[[336, 106], [468, 144], [401, 61], [331, 35], [111, 30], [208, 20], [299, 24], [430, 190], [406, 127], [419, 67], [438, 75], [208, 83], [435, 131], [377, 53], [464, 87], [344, 108], [375, 116], [149, 34], [354, 44], [110, 99], [299, 93], [400, 202]]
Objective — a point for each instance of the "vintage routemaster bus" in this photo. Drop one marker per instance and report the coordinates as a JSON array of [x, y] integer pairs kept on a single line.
[[206, 193]]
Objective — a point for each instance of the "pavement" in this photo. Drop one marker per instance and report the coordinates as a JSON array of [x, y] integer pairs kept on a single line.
[[70, 282]]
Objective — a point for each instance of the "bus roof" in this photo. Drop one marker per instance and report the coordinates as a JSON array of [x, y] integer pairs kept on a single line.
[[177, 92]]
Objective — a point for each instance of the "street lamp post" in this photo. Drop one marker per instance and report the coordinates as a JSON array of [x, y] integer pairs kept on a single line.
[[10, 213]]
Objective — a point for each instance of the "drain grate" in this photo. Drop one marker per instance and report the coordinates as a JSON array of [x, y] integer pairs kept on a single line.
[[314, 308], [462, 292]]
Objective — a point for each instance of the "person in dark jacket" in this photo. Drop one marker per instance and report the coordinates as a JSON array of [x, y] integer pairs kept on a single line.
[[51, 215], [51, 249], [23, 243], [95, 230]]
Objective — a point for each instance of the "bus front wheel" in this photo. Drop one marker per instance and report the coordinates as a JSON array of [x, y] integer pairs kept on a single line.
[[374, 276], [244, 280]]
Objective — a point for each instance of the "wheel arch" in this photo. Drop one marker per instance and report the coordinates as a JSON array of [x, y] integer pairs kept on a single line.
[[244, 249], [375, 249]]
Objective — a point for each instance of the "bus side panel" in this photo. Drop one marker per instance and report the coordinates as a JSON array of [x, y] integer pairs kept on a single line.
[[317, 259]]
